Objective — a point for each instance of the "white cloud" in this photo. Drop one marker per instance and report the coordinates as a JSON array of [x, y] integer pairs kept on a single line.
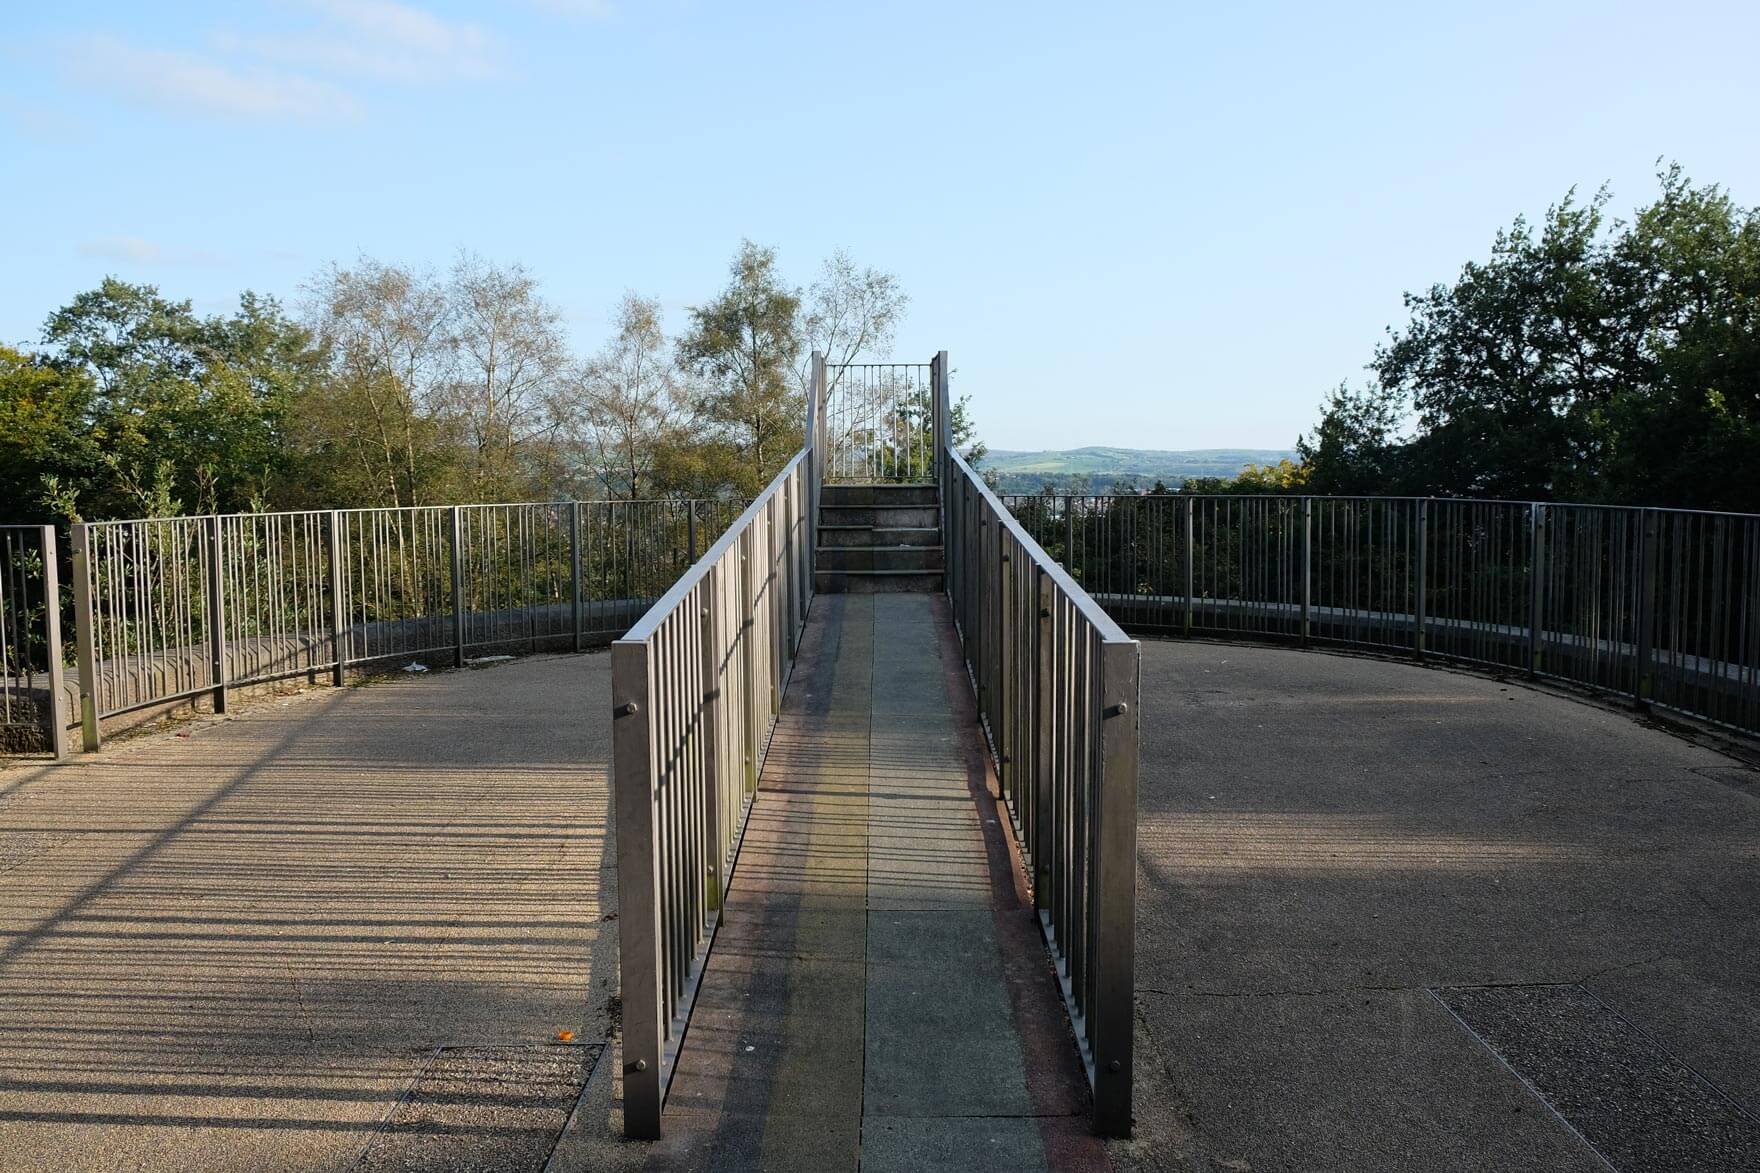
[[136, 251], [188, 81], [379, 39], [595, 9], [309, 72]]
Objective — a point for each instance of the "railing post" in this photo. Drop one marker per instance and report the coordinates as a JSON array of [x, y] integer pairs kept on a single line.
[[1045, 744], [338, 601], [1536, 585], [943, 413], [574, 568], [216, 615], [1069, 535], [690, 529], [815, 449], [1420, 579], [1307, 568], [1115, 878], [52, 638], [1190, 558], [708, 595], [638, 884], [84, 628], [1644, 654], [457, 587], [748, 658]]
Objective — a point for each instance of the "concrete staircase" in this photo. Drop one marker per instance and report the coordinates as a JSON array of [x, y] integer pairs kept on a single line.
[[876, 539]]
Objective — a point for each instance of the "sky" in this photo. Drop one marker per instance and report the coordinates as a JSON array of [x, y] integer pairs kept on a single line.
[[1149, 225]]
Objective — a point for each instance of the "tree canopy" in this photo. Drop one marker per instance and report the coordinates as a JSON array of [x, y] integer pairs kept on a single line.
[[395, 386], [1588, 358]]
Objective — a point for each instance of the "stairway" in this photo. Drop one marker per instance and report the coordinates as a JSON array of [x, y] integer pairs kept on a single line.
[[876, 539]]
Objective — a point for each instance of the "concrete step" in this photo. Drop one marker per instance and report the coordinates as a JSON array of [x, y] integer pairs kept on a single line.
[[881, 516], [878, 494], [876, 582], [878, 558], [867, 535]]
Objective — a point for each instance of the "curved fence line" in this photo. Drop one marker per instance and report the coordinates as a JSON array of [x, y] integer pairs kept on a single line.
[[167, 609], [1661, 605]]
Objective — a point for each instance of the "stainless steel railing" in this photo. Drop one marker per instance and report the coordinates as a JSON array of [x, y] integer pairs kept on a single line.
[[697, 684], [1660, 605], [878, 422], [30, 642], [171, 608], [1057, 687]]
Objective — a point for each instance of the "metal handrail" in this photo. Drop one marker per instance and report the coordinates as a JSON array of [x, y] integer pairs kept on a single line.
[[687, 582], [697, 684], [1057, 685]]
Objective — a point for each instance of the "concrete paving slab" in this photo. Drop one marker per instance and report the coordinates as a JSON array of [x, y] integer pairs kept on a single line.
[[1641, 1108], [940, 1040], [481, 1110], [1325, 838], [917, 1145], [233, 945]]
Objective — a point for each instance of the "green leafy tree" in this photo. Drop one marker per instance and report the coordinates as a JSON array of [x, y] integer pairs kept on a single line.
[[47, 449], [1586, 359], [743, 345], [185, 413]]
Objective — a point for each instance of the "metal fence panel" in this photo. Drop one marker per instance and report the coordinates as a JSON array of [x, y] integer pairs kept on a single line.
[[879, 423], [31, 716], [697, 684], [1661, 605], [173, 608]]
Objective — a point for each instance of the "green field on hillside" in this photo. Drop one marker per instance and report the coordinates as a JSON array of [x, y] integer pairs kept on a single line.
[[1099, 469]]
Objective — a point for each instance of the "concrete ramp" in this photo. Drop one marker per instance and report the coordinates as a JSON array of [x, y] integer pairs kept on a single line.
[[877, 996]]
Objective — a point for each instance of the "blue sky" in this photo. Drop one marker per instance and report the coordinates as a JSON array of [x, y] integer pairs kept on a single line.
[[1151, 225]]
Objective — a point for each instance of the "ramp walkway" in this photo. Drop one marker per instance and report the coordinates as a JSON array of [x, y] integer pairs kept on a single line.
[[878, 985]]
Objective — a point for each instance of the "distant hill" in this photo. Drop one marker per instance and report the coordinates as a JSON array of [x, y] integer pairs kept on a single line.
[[1119, 469]]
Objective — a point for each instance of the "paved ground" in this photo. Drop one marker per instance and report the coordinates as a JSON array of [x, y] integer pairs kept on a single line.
[[337, 931], [1346, 863], [878, 996], [1391, 919]]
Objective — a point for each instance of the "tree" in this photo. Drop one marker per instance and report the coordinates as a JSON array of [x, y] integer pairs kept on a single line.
[[184, 412], [375, 435], [510, 357], [743, 345], [1354, 448], [1587, 359], [46, 441], [632, 402], [846, 314]]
